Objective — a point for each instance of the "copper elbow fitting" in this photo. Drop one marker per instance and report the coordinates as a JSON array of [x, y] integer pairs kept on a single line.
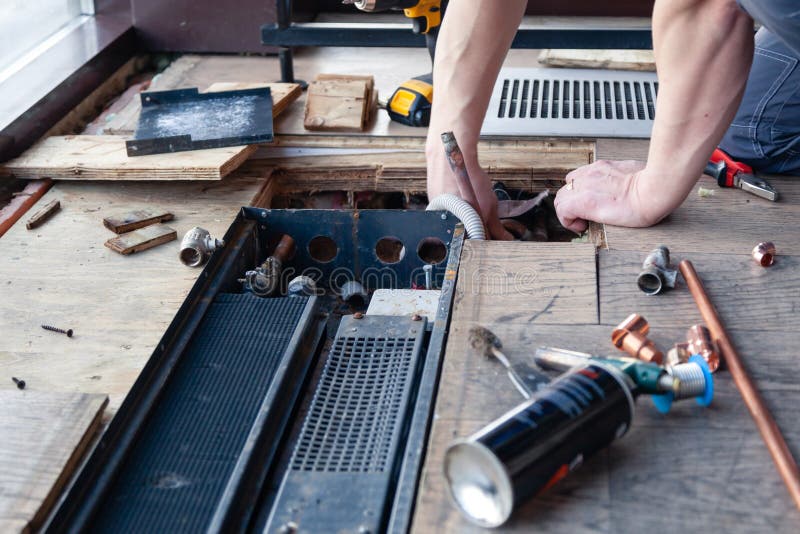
[[699, 341], [764, 253], [631, 336]]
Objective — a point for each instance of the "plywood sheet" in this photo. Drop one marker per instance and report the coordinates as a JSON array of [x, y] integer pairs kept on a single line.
[[104, 157], [43, 438], [118, 306], [523, 164], [638, 60], [693, 468]]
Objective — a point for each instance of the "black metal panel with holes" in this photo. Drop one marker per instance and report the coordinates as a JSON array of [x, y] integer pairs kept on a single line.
[[345, 462], [355, 236], [178, 469]]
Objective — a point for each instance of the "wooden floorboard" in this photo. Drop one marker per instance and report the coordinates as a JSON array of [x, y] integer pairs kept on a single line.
[[746, 295], [44, 435]]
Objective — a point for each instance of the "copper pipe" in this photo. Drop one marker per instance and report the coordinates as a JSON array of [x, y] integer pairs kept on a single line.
[[781, 455], [456, 160]]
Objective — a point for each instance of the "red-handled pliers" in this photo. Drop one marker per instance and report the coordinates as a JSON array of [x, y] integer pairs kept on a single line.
[[732, 173]]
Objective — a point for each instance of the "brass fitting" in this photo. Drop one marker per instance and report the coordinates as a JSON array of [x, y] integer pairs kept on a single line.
[[699, 341], [764, 253], [631, 336], [656, 275], [679, 353]]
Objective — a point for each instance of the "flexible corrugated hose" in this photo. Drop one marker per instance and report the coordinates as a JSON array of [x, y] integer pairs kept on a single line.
[[459, 207]]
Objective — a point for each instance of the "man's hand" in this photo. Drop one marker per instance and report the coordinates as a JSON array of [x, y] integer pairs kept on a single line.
[[605, 192]]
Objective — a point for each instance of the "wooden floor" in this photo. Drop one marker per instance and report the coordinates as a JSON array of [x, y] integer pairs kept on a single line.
[[693, 469]]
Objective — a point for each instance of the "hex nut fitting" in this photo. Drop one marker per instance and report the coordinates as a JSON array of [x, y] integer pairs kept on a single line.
[[631, 336], [764, 253]]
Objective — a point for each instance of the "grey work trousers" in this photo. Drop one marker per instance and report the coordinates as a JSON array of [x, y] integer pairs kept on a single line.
[[765, 132]]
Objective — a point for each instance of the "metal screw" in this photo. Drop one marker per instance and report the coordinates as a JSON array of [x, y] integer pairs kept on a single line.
[[416, 317], [428, 268], [20, 383], [358, 315], [59, 330]]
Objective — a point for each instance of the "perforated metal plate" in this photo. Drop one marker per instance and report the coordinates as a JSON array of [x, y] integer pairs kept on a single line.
[[350, 445], [572, 102]]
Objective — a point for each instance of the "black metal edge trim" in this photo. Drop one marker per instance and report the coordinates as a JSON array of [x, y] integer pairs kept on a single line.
[[78, 502], [419, 432], [238, 502], [400, 35]]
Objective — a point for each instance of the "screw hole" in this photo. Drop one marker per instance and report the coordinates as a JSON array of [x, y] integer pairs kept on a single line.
[[390, 250]]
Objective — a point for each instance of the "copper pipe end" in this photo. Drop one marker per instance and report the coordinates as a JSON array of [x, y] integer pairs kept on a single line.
[[631, 336], [764, 253], [699, 340], [285, 248]]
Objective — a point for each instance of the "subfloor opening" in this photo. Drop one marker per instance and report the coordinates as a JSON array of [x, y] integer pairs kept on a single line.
[[528, 216]]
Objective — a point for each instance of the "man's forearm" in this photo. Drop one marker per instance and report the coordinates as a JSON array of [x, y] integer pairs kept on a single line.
[[474, 40], [703, 50]]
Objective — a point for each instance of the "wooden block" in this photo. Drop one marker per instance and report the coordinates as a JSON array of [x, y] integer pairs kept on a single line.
[[125, 222], [639, 60], [41, 216], [44, 435], [337, 102], [142, 239], [104, 157]]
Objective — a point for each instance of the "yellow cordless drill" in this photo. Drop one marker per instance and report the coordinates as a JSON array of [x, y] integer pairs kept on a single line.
[[411, 102]]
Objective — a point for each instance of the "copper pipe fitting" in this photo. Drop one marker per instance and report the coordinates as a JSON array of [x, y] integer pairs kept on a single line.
[[764, 253], [631, 336], [699, 341], [656, 275]]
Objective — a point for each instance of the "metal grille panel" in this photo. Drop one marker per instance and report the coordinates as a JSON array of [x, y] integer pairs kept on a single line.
[[179, 468], [572, 102], [356, 406], [351, 441]]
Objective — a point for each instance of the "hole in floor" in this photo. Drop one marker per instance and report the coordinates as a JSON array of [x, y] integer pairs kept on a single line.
[[537, 223]]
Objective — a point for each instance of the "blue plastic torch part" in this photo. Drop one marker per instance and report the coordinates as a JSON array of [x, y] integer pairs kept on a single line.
[[708, 393], [663, 402]]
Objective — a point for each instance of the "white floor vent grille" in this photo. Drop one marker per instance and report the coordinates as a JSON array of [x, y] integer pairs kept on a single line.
[[572, 102]]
